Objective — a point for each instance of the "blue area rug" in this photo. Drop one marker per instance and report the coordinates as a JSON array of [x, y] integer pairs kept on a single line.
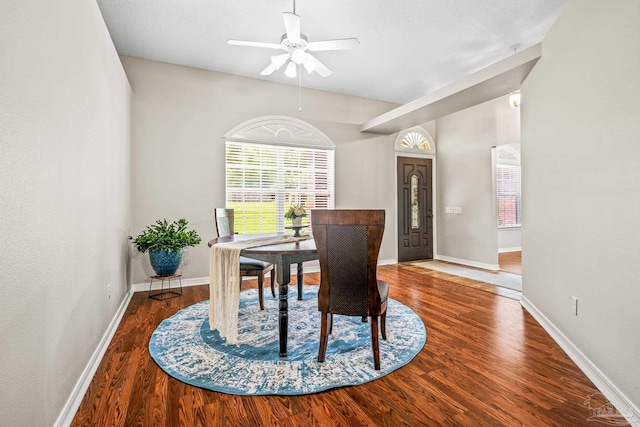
[[185, 348]]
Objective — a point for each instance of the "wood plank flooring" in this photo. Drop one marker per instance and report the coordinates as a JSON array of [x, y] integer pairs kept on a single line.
[[511, 262], [486, 363]]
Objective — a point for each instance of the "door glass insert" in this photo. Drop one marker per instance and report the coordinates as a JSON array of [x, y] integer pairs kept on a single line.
[[415, 208]]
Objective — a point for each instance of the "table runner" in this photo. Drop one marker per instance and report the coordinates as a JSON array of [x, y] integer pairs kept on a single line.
[[224, 285]]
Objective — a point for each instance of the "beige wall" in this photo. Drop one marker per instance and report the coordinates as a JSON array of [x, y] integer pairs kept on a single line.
[[64, 200], [581, 182], [465, 179], [180, 115]]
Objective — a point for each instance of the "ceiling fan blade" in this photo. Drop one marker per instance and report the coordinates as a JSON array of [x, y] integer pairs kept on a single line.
[[337, 44], [292, 24], [254, 44], [312, 64], [279, 60], [270, 69]]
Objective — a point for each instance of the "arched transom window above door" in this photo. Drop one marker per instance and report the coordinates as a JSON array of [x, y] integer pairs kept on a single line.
[[416, 140]]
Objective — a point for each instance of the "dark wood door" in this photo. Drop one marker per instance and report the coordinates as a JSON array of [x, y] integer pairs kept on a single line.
[[415, 209]]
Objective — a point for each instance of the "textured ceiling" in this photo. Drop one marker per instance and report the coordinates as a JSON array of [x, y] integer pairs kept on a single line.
[[408, 48]]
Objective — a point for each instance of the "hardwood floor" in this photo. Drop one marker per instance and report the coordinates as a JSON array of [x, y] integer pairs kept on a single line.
[[511, 262], [486, 363]]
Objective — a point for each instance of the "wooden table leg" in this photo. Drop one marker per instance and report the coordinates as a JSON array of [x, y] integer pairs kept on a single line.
[[284, 277], [300, 274]]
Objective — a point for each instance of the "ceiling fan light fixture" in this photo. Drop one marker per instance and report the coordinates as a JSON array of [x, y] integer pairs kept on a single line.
[[298, 49], [291, 70], [298, 56]]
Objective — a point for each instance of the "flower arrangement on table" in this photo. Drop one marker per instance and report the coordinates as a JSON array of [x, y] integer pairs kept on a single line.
[[295, 211]]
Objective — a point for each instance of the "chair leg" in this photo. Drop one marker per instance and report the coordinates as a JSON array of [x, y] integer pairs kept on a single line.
[[383, 325], [324, 336], [374, 342], [330, 323], [260, 290], [273, 275]]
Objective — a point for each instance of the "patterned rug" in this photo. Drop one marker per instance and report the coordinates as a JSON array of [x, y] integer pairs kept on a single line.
[[185, 348]]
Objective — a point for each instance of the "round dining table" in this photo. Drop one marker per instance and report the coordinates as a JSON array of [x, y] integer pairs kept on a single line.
[[282, 255]]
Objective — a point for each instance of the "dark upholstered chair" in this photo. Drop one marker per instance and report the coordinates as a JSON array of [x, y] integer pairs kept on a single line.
[[348, 243], [248, 266]]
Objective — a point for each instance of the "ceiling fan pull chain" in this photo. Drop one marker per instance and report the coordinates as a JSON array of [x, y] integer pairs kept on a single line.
[[299, 84]]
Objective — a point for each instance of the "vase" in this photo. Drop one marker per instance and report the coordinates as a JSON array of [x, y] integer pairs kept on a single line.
[[165, 263], [297, 221]]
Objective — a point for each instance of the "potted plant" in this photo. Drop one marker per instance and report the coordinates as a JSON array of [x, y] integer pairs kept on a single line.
[[165, 241], [295, 213]]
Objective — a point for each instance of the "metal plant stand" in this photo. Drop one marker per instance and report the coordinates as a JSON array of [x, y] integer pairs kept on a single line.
[[163, 295]]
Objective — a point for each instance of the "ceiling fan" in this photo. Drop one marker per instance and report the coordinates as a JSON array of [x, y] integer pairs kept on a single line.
[[297, 48]]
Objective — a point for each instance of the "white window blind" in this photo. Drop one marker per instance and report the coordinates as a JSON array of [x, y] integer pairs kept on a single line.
[[508, 189], [263, 180]]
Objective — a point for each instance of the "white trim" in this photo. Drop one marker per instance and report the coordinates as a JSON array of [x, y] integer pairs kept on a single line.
[[503, 250], [277, 143], [311, 136], [82, 385], [617, 398], [309, 267], [469, 263], [433, 194], [144, 287]]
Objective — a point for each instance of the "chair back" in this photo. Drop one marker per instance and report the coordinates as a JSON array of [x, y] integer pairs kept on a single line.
[[224, 221], [348, 243]]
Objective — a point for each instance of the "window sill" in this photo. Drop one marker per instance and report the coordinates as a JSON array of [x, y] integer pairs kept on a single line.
[[510, 228]]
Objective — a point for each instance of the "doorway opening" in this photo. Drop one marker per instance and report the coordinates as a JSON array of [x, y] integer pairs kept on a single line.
[[415, 155], [507, 194]]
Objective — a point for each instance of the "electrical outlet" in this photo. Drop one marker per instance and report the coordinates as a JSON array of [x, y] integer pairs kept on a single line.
[[109, 290], [448, 210], [574, 305], [457, 210]]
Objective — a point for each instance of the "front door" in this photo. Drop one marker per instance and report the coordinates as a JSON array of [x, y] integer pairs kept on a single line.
[[415, 209]]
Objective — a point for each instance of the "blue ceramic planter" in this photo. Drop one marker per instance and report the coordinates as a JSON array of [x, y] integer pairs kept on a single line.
[[165, 263]]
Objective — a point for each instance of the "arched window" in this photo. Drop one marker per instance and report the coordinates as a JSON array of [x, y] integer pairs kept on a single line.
[[416, 140], [271, 163]]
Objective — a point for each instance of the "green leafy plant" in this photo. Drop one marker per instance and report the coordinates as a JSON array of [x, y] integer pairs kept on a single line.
[[166, 236]]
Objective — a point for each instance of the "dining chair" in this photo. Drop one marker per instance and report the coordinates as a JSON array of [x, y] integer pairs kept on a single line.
[[248, 266], [348, 244]]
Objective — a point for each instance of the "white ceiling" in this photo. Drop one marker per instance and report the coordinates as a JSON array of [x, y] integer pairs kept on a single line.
[[408, 48]]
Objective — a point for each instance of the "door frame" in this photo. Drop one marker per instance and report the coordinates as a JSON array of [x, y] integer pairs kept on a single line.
[[434, 197]]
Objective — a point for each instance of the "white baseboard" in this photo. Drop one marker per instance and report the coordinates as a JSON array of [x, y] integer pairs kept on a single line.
[[618, 399], [492, 267], [503, 250], [77, 394], [144, 287], [312, 267]]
